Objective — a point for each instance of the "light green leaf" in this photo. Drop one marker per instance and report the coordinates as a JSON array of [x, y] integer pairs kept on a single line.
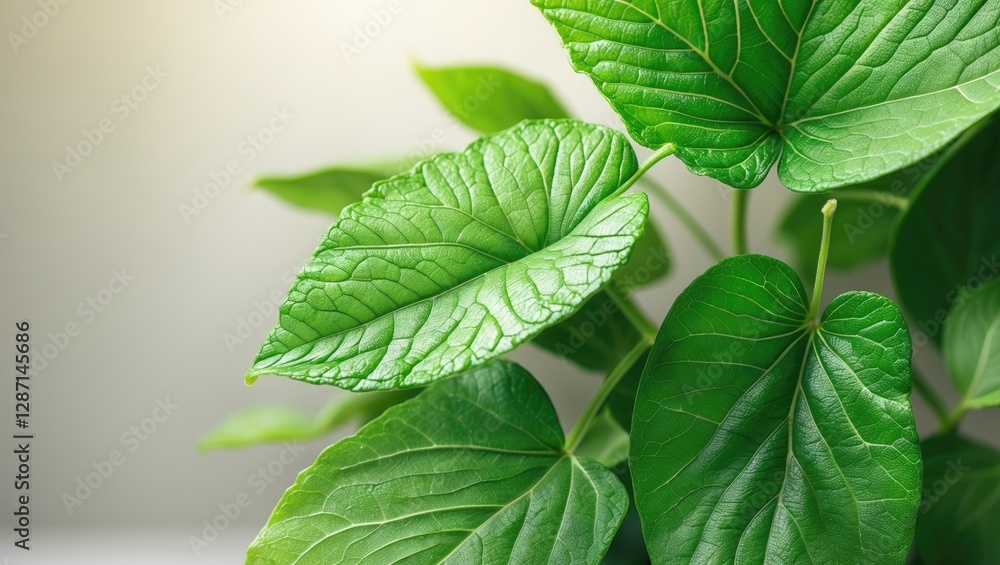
[[275, 423], [840, 92], [471, 471], [329, 190], [960, 511], [761, 436], [972, 347], [489, 99], [461, 260], [605, 442], [948, 241]]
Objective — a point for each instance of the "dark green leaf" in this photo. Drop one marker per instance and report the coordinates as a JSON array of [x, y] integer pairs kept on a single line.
[[972, 347], [461, 260], [273, 424], [471, 471], [490, 99], [948, 240], [960, 512], [761, 436], [840, 92], [861, 227]]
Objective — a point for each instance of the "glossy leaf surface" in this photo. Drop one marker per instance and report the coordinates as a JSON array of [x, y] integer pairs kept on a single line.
[[460, 260], [760, 436], [470, 471], [838, 92]]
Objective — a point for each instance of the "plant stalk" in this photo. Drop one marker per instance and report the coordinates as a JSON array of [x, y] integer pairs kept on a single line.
[[824, 251], [933, 401], [635, 316], [739, 221], [593, 407], [687, 219], [655, 158]]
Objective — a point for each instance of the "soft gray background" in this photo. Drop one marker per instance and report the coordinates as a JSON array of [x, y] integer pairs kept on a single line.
[[161, 338]]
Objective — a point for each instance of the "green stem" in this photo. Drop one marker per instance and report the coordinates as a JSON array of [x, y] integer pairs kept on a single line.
[[934, 401], [655, 158], [739, 221], [582, 425], [700, 233], [635, 316], [824, 250], [883, 197], [952, 420]]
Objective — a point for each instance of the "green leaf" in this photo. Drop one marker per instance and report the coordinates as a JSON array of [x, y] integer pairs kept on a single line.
[[599, 335], [761, 436], [960, 511], [489, 99], [948, 240], [460, 260], [972, 347], [862, 226], [329, 190], [275, 423], [839, 92], [605, 442], [471, 471]]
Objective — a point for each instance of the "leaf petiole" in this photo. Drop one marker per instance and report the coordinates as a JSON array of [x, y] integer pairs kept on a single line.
[[739, 221], [593, 407], [689, 221], [657, 156], [824, 250]]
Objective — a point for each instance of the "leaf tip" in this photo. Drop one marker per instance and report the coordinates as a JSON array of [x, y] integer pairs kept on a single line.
[[250, 378]]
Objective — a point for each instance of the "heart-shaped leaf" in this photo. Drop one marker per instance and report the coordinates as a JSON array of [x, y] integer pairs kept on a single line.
[[841, 92], [276, 423], [960, 511], [461, 260], [471, 471], [763, 436], [948, 241], [972, 347]]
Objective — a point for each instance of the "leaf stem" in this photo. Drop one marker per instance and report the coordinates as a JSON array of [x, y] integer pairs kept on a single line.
[[933, 401], [883, 197], [635, 316], [590, 411], [687, 219], [739, 221], [655, 158], [824, 250]]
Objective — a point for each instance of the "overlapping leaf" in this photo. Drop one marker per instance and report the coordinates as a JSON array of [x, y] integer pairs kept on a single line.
[[329, 190], [972, 347], [471, 471], [761, 436], [960, 511], [277, 423], [461, 260], [948, 241], [839, 91]]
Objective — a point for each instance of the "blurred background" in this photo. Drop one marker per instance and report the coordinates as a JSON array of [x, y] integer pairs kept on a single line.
[[124, 245]]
